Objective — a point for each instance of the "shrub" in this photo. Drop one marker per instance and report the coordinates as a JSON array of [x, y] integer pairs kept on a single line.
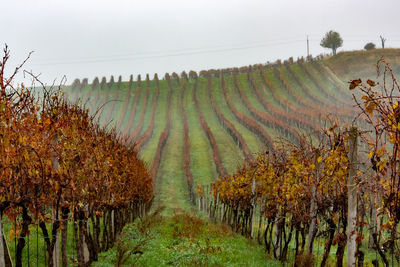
[[369, 46]]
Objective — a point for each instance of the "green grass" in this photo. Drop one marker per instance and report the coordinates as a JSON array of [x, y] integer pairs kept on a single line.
[[276, 84], [86, 95], [139, 108], [306, 80], [118, 113], [95, 98], [361, 64], [234, 95], [253, 142], [106, 104], [251, 95], [35, 249], [231, 154], [201, 162], [268, 96], [149, 111], [129, 96], [147, 153], [327, 86], [186, 240], [292, 83], [80, 93], [171, 180]]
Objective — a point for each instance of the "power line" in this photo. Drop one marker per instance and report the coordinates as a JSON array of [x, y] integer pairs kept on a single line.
[[139, 56], [129, 57]]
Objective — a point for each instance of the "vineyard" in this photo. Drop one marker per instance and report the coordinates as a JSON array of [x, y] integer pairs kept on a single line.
[[266, 149], [192, 127]]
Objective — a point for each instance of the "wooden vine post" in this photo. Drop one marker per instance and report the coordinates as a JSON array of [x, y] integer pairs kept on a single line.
[[5, 258], [313, 208], [253, 205], [352, 199]]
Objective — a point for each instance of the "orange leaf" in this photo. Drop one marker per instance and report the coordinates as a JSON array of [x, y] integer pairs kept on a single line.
[[11, 233], [371, 83], [354, 84]]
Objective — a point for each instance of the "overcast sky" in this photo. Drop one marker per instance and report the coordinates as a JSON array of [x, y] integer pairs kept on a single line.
[[89, 38]]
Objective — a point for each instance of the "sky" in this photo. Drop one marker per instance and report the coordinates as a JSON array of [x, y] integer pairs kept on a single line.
[[96, 38]]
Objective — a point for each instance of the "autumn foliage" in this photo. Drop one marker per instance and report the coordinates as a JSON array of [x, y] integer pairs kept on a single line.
[[281, 182], [302, 191], [58, 165]]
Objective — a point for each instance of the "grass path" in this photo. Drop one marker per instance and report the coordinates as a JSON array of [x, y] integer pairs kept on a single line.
[[173, 192], [202, 164], [186, 240]]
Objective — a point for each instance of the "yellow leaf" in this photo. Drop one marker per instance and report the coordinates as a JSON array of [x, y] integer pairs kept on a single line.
[[370, 154], [381, 152], [319, 159], [312, 166]]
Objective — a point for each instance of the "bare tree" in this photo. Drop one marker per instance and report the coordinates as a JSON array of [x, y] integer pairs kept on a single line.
[[383, 40]]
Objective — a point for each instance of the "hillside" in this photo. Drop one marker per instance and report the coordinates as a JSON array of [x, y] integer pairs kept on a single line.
[[191, 128], [349, 65]]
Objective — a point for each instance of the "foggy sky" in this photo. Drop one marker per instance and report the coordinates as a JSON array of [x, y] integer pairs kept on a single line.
[[82, 38]]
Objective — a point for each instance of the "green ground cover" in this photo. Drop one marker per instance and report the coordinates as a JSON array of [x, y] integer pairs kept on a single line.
[[185, 240], [230, 152], [118, 112], [253, 142], [202, 164], [148, 113], [171, 180], [147, 153], [234, 95]]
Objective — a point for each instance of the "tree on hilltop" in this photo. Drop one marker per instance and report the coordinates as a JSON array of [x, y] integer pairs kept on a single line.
[[332, 40]]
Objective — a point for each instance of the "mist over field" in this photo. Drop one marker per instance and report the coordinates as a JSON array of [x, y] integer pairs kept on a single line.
[[101, 38]]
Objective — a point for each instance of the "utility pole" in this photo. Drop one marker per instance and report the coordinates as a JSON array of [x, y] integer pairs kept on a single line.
[[308, 48]]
